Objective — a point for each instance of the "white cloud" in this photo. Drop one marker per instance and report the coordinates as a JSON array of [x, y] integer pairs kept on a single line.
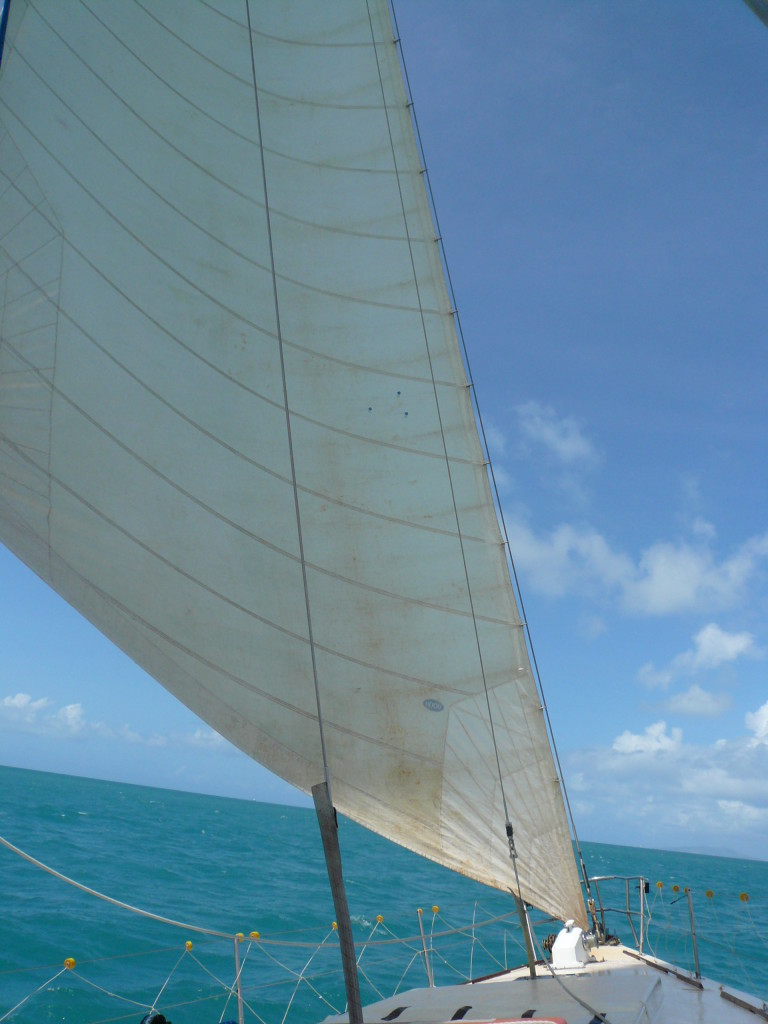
[[570, 558], [38, 717], [703, 529], [708, 796], [103, 730], [69, 720], [502, 477], [698, 702], [593, 625], [667, 578], [562, 437], [130, 735], [712, 647], [757, 723], [679, 577], [654, 740], [206, 738], [652, 677], [741, 814], [497, 441], [22, 709]]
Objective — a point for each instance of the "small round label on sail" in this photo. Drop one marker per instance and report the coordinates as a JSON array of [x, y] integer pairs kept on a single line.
[[433, 705]]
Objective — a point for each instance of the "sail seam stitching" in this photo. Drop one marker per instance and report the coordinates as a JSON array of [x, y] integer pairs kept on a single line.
[[233, 677], [208, 174], [217, 369], [19, 452], [254, 31], [184, 156], [217, 515], [223, 124], [367, 302]]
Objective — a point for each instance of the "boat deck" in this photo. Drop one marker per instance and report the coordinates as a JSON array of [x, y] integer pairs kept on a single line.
[[620, 984]]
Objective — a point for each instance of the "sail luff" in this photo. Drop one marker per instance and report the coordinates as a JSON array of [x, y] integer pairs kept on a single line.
[[460, 538], [149, 481]]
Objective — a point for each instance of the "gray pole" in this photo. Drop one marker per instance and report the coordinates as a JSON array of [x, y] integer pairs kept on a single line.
[[693, 932], [329, 830], [238, 985], [525, 924], [427, 964]]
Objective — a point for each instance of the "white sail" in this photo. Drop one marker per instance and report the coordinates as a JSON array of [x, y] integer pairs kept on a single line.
[[189, 208]]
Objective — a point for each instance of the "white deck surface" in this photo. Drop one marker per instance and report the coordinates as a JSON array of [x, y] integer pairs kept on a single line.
[[614, 983]]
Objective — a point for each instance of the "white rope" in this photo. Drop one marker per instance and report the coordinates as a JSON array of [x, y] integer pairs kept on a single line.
[[452, 967], [227, 988], [13, 1009], [296, 974], [163, 987], [367, 941], [411, 962], [112, 995], [472, 947], [378, 992], [413, 943], [407, 940], [372, 932], [299, 980], [488, 953], [261, 942], [109, 899], [238, 978]]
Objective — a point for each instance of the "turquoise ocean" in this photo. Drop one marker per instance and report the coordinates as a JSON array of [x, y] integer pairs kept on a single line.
[[236, 866]]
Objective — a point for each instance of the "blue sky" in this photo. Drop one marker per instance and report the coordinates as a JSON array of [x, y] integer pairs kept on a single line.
[[601, 178]]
